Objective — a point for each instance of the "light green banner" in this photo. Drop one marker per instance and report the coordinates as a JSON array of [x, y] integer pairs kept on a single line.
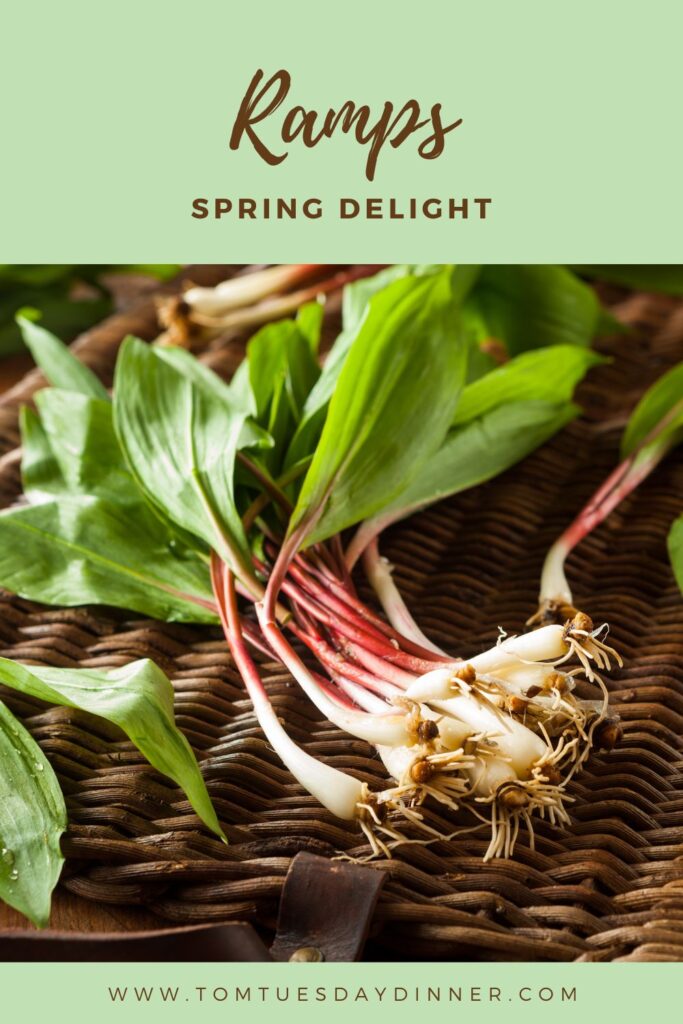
[[296, 994], [117, 116]]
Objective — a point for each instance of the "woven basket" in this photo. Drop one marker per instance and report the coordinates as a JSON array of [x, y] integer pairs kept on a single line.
[[607, 887]]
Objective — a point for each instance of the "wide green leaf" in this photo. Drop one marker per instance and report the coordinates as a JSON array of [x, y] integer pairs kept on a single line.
[[675, 544], [660, 407], [138, 698], [180, 440], [309, 320], [57, 312], [81, 436], [74, 451], [32, 820], [395, 397], [527, 307], [77, 550], [252, 436], [547, 375], [355, 305], [61, 368], [655, 277], [476, 452], [40, 473], [357, 295], [500, 419], [280, 355]]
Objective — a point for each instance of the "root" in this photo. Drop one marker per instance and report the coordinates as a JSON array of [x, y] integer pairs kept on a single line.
[[442, 776], [514, 803], [588, 646]]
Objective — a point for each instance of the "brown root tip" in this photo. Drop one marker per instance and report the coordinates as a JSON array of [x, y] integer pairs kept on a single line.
[[379, 810], [608, 735], [556, 681], [466, 674], [513, 797], [552, 775], [173, 314], [517, 705], [552, 612], [582, 622], [427, 730], [421, 772]]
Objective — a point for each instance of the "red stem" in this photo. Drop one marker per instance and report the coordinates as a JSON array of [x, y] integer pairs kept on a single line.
[[338, 664], [364, 616], [625, 478], [226, 597]]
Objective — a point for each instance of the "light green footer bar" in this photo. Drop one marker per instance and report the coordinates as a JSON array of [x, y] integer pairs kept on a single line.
[[508, 993]]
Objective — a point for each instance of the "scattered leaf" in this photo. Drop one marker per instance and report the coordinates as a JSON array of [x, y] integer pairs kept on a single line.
[[32, 820], [138, 698]]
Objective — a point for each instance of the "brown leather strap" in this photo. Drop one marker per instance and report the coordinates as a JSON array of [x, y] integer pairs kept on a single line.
[[210, 944], [325, 910]]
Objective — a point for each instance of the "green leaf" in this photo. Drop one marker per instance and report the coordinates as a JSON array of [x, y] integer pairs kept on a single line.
[[80, 433], [34, 275], [56, 311], [355, 305], [77, 550], [395, 397], [357, 295], [548, 375], [664, 277], [32, 820], [476, 452], [661, 405], [180, 440], [40, 473], [529, 307], [75, 451], [280, 353], [675, 545], [55, 293], [309, 320], [59, 365], [139, 699], [252, 436], [499, 420]]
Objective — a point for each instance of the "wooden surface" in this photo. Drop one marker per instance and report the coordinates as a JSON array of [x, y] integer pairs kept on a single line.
[[70, 913]]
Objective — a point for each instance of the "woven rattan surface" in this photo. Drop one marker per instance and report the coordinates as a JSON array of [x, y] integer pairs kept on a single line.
[[608, 887]]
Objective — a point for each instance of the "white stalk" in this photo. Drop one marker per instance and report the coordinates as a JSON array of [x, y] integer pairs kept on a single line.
[[488, 773], [522, 747], [434, 685], [517, 680], [339, 792], [378, 571], [542, 645], [238, 291], [554, 585], [399, 760], [452, 732]]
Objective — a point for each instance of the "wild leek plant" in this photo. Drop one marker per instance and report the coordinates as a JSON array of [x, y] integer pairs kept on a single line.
[[191, 500]]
